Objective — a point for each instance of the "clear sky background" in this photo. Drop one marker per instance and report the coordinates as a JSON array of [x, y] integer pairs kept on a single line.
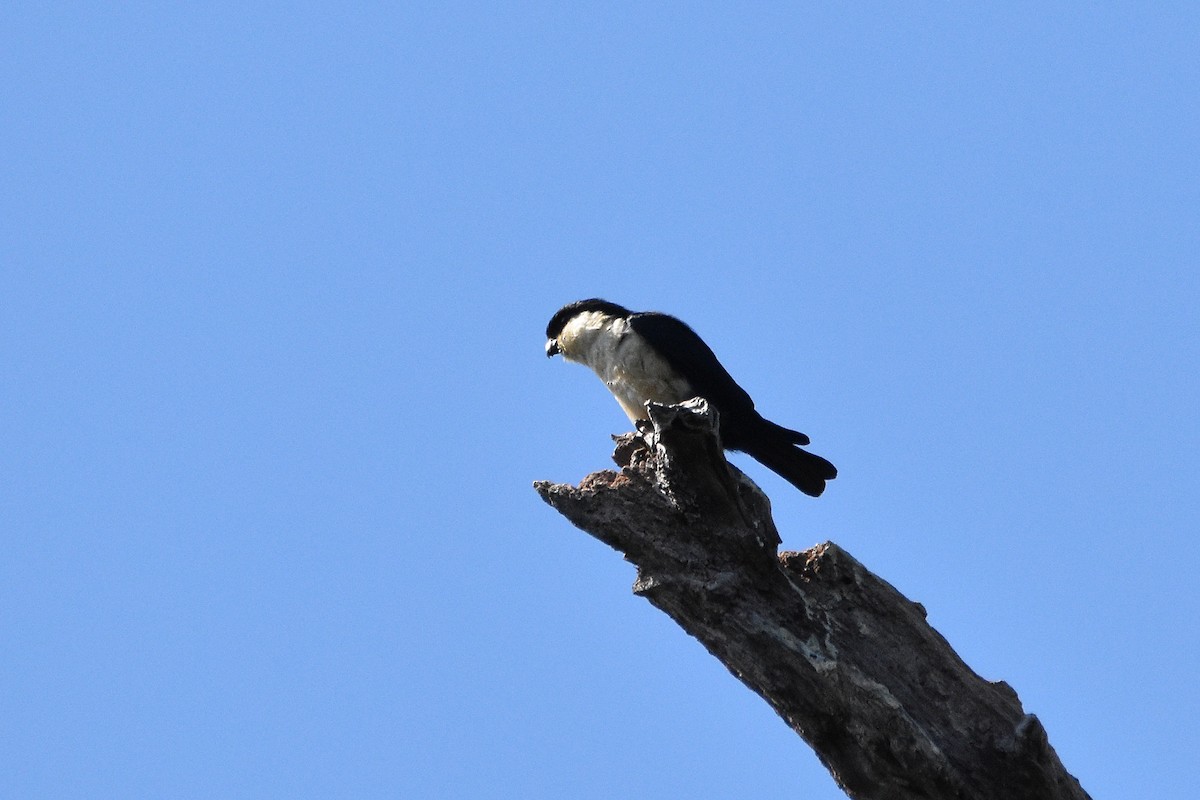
[[274, 280]]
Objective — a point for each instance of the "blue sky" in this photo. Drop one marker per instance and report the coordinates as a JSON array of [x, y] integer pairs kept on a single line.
[[275, 279]]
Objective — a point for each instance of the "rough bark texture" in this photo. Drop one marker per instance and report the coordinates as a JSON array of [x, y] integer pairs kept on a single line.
[[847, 661]]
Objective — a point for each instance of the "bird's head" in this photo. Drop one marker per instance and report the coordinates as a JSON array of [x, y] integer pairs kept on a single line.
[[563, 333]]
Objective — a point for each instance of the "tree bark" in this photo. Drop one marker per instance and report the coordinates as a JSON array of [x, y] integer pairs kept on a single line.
[[847, 661]]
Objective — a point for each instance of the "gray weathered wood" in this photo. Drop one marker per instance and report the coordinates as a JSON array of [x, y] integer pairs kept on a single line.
[[845, 659]]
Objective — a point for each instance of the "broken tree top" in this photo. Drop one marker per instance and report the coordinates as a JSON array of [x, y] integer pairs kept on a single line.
[[846, 660]]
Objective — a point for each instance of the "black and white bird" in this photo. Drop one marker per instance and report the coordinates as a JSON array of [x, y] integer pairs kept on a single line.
[[648, 356]]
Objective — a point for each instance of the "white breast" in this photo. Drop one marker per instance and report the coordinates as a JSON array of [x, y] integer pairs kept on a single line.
[[633, 371]]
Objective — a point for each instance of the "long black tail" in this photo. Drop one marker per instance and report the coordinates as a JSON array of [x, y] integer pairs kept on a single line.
[[776, 448]]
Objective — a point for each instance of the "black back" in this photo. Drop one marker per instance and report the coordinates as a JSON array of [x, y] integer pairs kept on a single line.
[[690, 356], [693, 359]]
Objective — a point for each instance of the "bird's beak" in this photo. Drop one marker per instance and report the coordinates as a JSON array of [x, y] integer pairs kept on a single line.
[[552, 348]]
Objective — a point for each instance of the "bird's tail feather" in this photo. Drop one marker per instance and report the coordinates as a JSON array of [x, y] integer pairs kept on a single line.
[[771, 429], [807, 471]]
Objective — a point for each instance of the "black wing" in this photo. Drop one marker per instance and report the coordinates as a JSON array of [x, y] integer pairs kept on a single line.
[[741, 425], [688, 354]]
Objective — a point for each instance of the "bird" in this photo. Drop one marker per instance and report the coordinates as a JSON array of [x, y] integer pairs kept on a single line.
[[649, 356]]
